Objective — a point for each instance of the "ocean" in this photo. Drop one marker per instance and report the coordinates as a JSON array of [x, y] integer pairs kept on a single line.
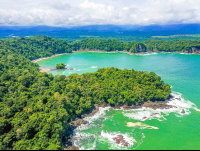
[[142, 128]]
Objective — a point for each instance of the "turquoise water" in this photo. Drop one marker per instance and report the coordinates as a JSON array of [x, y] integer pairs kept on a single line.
[[176, 130]]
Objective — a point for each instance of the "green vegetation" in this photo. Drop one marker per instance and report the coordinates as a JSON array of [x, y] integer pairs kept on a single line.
[[43, 46], [108, 45], [183, 45], [60, 66], [35, 47], [36, 108]]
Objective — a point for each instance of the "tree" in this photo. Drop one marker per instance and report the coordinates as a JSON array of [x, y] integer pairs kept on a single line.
[[60, 66]]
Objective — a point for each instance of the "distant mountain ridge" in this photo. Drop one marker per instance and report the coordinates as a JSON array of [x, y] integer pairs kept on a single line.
[[174, 27], [96, 30]]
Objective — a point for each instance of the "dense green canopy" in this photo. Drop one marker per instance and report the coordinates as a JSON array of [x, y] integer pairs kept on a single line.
[[35, 107], [60, 66], [43, 46]]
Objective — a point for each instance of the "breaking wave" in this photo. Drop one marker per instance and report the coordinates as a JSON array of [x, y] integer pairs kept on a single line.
[[94, 67], [180, 107]]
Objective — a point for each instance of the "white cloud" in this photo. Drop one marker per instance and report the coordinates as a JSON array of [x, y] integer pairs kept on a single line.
[[80, 12]]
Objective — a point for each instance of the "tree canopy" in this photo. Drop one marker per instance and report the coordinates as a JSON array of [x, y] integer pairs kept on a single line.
[[60, 66]]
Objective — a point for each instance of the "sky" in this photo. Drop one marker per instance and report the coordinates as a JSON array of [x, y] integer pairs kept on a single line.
[[98, 12]]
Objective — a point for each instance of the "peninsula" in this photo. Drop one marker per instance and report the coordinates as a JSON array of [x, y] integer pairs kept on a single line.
[[37, 109]]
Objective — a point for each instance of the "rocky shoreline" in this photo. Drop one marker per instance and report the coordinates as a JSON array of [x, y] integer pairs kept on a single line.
[[119, 139], [141, 52]]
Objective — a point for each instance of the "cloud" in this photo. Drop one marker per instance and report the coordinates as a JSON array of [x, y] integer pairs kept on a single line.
[[87, 12]]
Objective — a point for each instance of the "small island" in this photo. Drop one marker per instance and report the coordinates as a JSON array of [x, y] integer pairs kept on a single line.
[[60, 66]]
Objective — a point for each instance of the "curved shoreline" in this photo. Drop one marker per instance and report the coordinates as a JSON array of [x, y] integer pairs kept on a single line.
[[42, 58], [80, 122], [101, 51], [157, 107]]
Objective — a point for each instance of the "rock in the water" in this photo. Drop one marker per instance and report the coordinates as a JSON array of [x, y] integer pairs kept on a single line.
[[78, 122], [183, 111], [120, 140], [72, 148]]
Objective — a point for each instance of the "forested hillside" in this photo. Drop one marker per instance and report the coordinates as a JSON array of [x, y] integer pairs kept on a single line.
[[36, 108], [35, 47], [43, 46], [183, 45]]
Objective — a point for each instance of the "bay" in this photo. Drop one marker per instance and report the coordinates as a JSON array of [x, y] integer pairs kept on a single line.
[[176, 131]]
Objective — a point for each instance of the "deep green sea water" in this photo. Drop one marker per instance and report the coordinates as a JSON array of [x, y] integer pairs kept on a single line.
[[176, 130]]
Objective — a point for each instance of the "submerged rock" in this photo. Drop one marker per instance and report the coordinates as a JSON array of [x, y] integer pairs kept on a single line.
[[183, 111], [120, 140]]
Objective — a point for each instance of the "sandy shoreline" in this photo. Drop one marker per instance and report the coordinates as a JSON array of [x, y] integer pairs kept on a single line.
[[101, 51], [44, 70], [39, 59]]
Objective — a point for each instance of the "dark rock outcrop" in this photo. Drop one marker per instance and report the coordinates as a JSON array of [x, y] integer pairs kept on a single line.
[[194, 50], [157, 105], [183, 111], [141, 48], [120, 140]]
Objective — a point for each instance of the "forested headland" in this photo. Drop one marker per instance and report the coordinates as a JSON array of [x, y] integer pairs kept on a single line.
[[36, 108]]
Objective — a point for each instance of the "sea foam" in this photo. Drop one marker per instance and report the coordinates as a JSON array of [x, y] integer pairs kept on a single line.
[[141, 114], [180, 104], [94, 67], [113, 145]]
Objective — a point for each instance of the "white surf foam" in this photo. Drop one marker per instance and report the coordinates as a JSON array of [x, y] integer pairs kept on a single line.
[[147, 54], [100, 114], [94, 67], [80, 139], [114, 145], [181, 107], [141, 114]]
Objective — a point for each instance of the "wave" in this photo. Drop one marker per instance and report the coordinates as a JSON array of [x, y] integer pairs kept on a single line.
[[145, 54], [179, 104], [181, 107], [112, 135], [94, 67], [99, 114], [84, 141]]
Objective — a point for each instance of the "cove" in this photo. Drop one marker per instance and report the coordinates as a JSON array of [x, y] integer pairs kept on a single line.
[[175, 131]]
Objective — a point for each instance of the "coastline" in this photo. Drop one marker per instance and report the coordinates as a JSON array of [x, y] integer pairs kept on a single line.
[[151, 110], [101, 51], [42, 58], [79, 122]]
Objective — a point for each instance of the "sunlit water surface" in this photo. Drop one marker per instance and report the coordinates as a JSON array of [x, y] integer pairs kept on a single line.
[[176, 130]]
